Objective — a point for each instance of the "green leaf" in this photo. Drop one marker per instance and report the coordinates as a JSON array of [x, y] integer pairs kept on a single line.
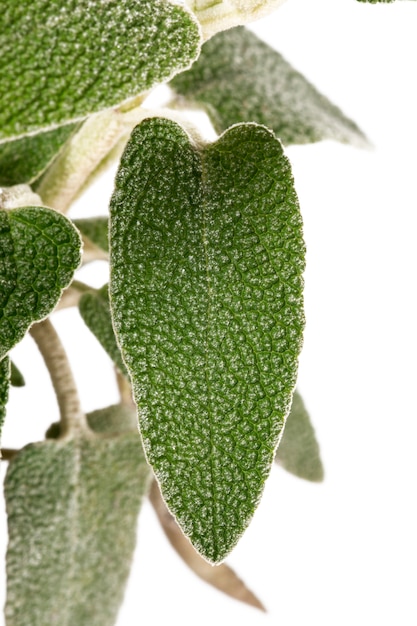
[[4, 388], [238, 78], [23, 160], [16, 376], [95, 311], [62, 62], [39, 252], [96, 229], [72, 507], [298, 451], [206, 296]]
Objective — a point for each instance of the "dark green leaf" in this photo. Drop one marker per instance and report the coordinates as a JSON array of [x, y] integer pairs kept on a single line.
[[206, 294], [60, 62], [95, 311], [96, 229], [4, 388], [39, 251], [298, 451], [238, 78], [72, 507], [16, 378], [23, 160]]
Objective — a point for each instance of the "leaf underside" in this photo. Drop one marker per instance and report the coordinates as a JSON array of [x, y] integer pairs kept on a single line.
[[298, 450], [239, 78], [95, 311], [96, 229], [23, 160], [72, 509], [39, 251], [61, 62], [206, 296]]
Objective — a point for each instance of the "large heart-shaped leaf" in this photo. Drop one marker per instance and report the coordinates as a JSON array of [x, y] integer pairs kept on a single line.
[[239, 78], [39, 251], [206, 293], [61, 62], [72, 507]]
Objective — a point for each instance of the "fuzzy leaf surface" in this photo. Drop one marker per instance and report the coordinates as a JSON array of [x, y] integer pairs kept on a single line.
[[39, 251], [96, 229], [298, 450], [206, 295], [95, 311], [4, 388], [24, 159], [72, 509], [60, 62], [218, 15], [239, 78]]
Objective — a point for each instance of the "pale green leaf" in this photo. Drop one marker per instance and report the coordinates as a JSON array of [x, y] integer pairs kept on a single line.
[[72, 509], [217, 15], [4, 388], [206, 295], [39, 251], [95, 311], [24, 159], [16, 376], [96, 229], [298, 450], [60, 62], [239, 78]]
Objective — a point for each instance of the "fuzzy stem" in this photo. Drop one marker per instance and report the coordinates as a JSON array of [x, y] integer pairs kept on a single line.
[[56, 360], [7, 454]]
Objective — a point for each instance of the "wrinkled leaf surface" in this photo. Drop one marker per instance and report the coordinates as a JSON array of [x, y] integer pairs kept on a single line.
[[206, 295], [39, 251]]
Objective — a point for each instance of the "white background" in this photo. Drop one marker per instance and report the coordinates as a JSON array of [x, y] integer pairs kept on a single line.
[[342, 552]]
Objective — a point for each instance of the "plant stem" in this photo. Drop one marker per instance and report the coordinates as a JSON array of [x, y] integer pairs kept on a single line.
[[56, 360]]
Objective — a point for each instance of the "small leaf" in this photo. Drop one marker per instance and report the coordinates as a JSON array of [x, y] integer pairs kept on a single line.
[[206, 296], [115, 420], [72, 507], [16, 376], [221, 577], [62, 62], [238, 78], [95, 311], [298, 451], [24, 160], [218, 15], [39, 252], [4, 388], [96, 229]]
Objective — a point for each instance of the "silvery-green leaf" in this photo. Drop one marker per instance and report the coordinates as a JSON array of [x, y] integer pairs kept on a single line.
[[95, 311], [24, 159], [16, 376], [239, 78], [39, 251], [60, 62], [96, 229], [4, 388], [217, 15], [72, 510], [298, 450], [206, 295]]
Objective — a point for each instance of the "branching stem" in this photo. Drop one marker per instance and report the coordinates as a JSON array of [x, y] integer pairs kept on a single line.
[[56, 360]]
